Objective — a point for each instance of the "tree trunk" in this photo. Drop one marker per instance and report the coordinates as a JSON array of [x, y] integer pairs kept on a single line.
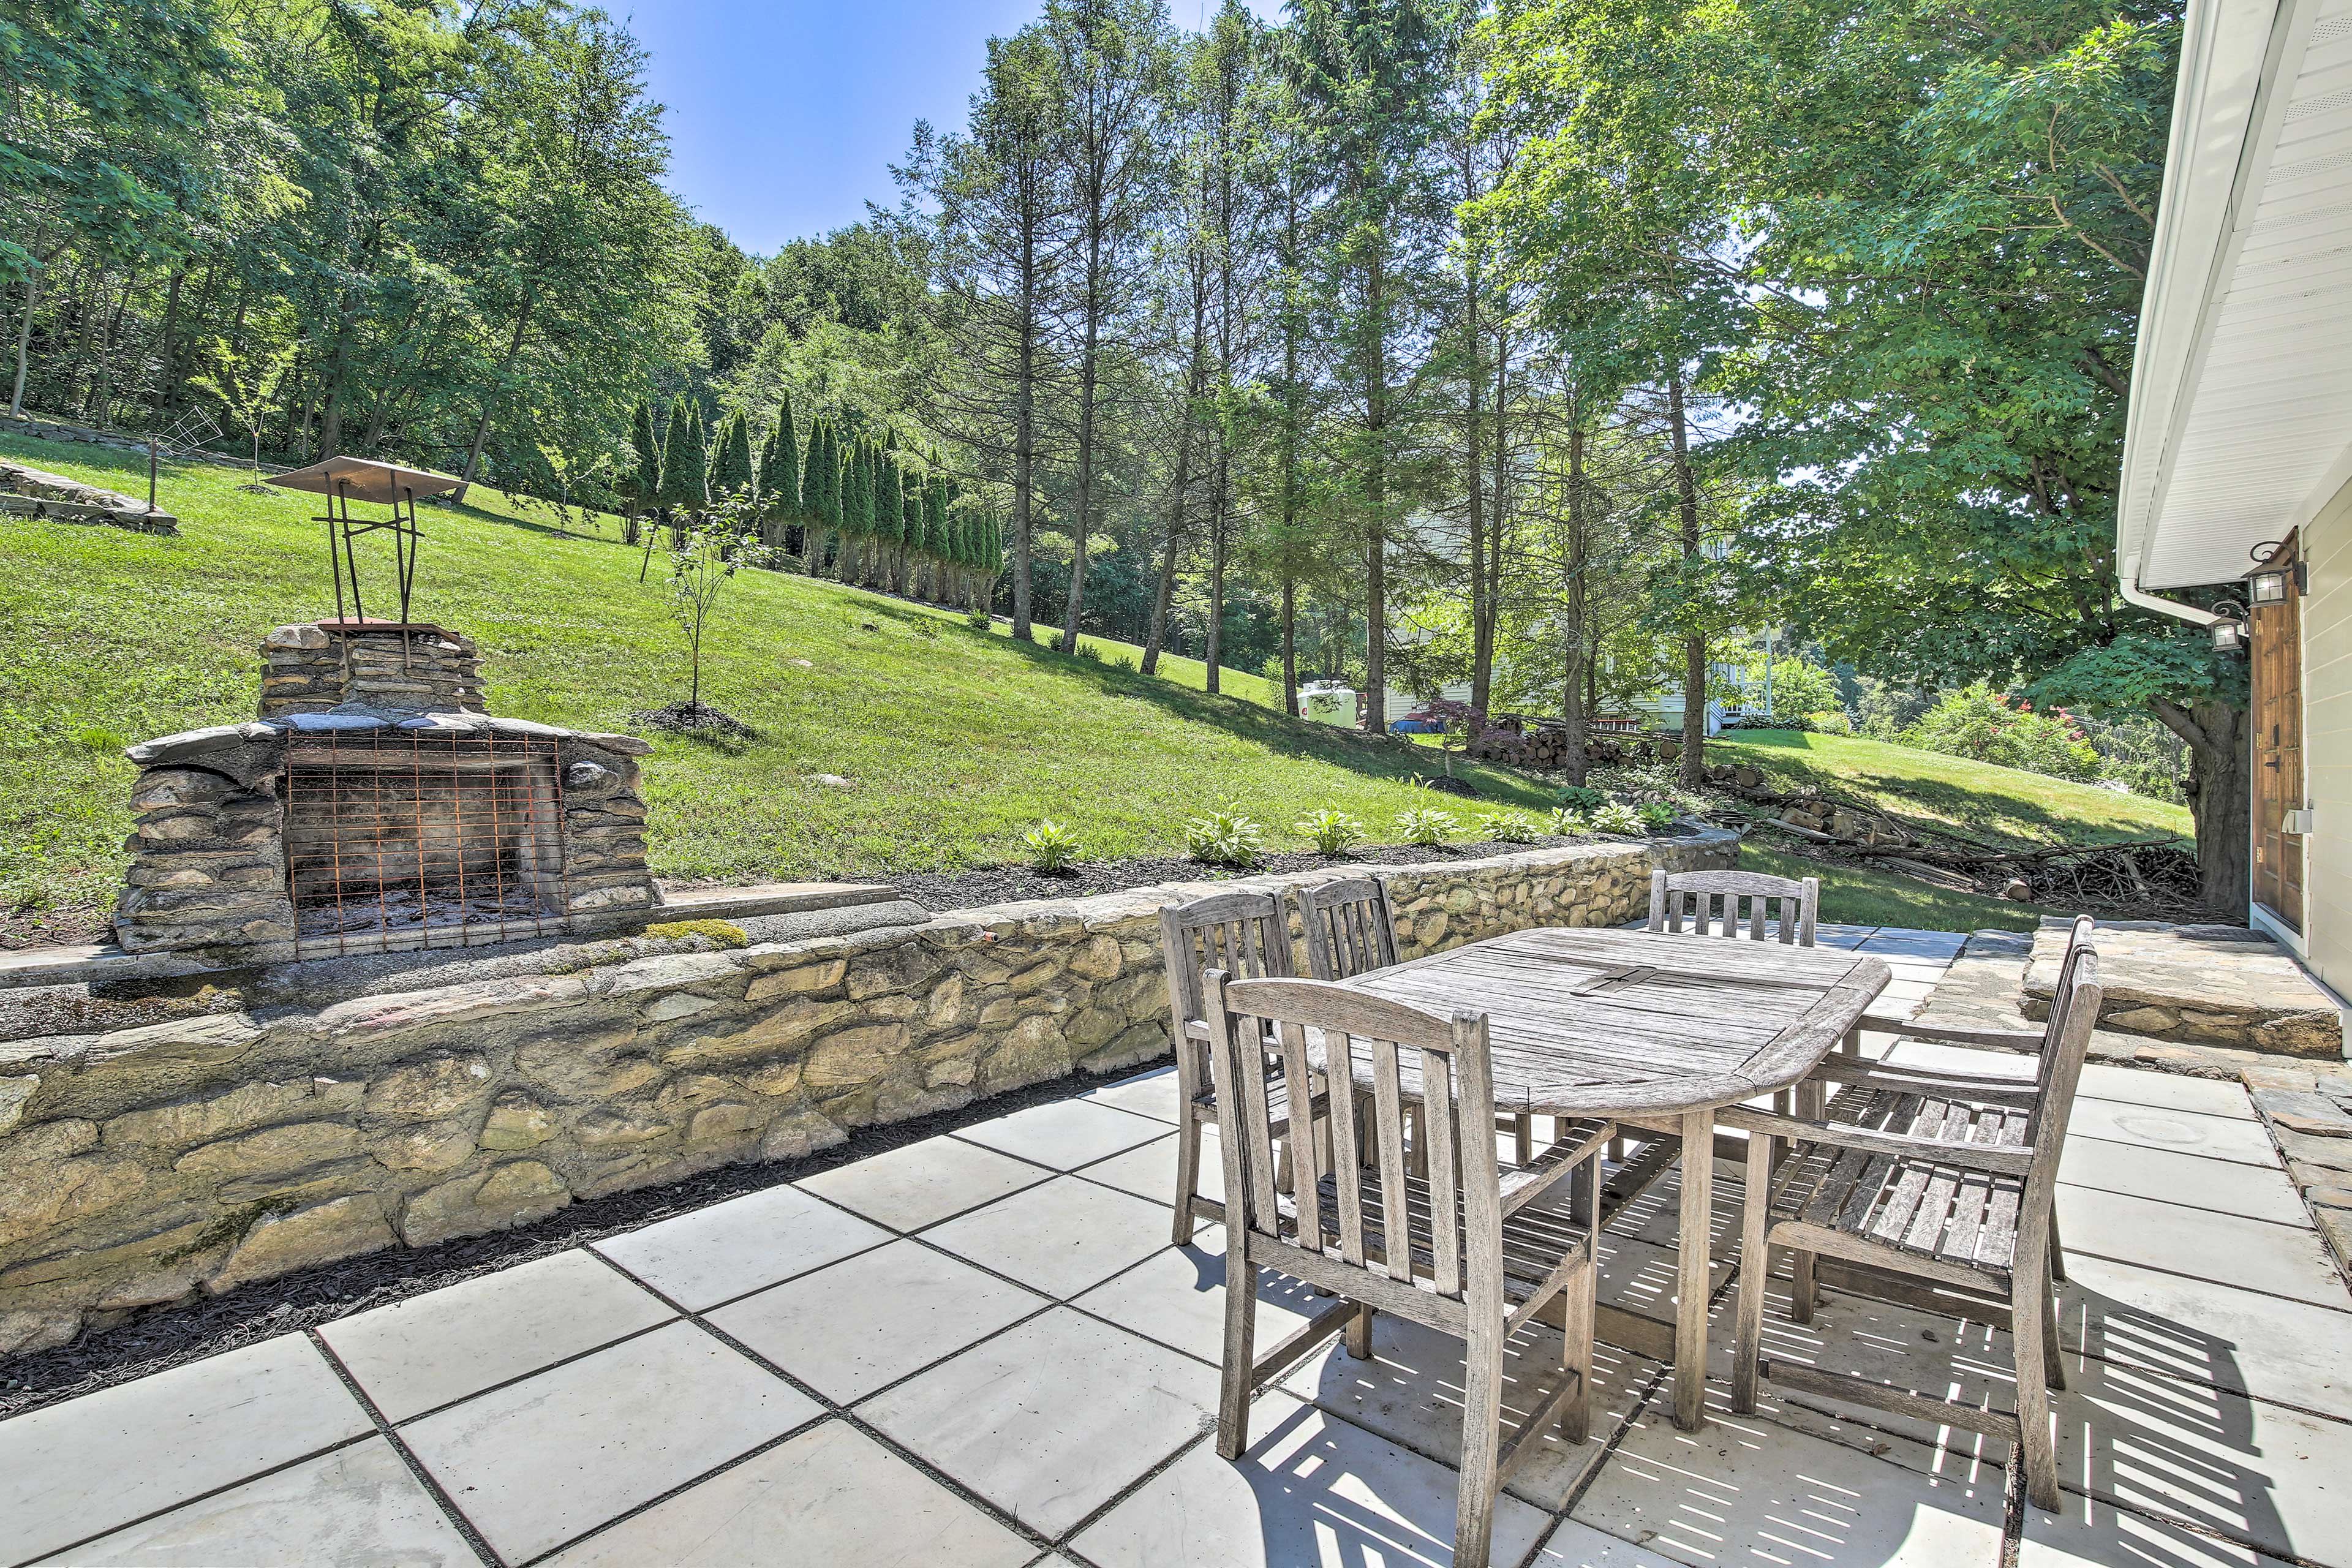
[[1693, 758], [2220, 804], [1289, 644], [1216, 650], [23, 338], [1376, 545], [1482, 609], [167, 347], [1025, 425], [489, 401], [1572, 708]]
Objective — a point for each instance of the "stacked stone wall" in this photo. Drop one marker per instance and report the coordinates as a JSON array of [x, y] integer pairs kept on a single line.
[[307, 670], [148, 1163]]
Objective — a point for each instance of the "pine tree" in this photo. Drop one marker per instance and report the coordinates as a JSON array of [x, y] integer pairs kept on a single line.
[[682, 462], [780, 478], [891, 511], [730, 460], [641, 484]]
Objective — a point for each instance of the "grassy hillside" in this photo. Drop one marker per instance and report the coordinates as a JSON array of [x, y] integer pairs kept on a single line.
[[2000, 805], [952, 739]]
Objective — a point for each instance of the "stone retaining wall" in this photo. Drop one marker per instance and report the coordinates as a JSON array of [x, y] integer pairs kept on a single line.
[[148, 1163]]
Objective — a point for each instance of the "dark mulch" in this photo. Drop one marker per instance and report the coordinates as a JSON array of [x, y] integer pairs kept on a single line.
[[694, 719], [163, 1337], [942, 891]]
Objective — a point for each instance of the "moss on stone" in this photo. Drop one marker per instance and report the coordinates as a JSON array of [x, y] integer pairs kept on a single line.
[[720, 932]]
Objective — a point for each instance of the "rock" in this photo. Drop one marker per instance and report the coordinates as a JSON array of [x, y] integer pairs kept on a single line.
[[830, 781], [513, 1193], [805, 979], [13, 1093], [1099, 958], [42, 1195], [944, 1008], [2018, 889], [247, 1105], [279, 1244], [724, 1124], [797, 1136], [23, 1332], [586, 776], [437, 1146], [776, 1080], [2141, 1021], [274, 1152], [517, 1122], [854, 1056], [429, 1088]]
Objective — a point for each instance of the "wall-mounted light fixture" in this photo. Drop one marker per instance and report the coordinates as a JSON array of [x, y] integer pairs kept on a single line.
[[2266, 583], [2228, 633]]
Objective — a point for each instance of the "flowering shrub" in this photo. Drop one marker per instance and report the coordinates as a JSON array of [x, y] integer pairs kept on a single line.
[[1980, 723]]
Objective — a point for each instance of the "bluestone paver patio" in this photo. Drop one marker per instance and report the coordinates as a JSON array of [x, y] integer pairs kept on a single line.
[[980, 1349]]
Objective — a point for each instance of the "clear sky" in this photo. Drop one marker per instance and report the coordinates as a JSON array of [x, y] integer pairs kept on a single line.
[[785, 115]]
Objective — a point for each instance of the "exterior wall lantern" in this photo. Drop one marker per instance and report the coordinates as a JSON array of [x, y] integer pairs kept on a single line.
[[2266, 583], [2230, 632]]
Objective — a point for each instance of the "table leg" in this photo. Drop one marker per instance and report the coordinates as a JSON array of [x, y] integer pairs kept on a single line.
[[1690, 1284]]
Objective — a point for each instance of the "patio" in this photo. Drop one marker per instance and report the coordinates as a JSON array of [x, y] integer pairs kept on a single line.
[[981, 1349]]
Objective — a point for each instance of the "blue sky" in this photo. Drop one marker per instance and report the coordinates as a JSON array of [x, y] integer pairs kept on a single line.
[[784, 116]]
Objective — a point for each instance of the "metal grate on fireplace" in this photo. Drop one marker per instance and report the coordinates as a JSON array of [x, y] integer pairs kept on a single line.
[[400, 838]]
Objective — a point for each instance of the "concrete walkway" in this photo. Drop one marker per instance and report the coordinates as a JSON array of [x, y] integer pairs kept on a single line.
[[982, 1350]]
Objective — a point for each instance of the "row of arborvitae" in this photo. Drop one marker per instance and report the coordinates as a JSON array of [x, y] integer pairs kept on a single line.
[[854, 506], [1230, 838]]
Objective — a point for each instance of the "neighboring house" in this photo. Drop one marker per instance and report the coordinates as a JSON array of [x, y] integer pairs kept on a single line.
[[2239, 445]]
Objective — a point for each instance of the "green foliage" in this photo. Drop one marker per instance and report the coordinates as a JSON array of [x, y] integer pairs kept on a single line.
[[1981, 724], [780, 466], [1426, 827], [1224, 838], [1655, 815], [1580, 797], [1050, 845], [731, 473], [684, 467], [1331, 830], [1567, 824], [641, 478], [709, 935], [1620, 819], [1507, 828]]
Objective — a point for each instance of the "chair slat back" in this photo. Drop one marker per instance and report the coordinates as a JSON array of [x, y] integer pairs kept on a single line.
[[1352, 1038], [1245, 934], [2070, 969], [1350, 927], [1746, 904], [2074, 1014]]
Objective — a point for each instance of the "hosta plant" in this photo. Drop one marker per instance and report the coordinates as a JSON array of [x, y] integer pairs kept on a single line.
[[1224, 838], [1330, 831], [1567, 824], [1621, 819], [1655, 815], [1508, 826], [1428, 826], [1050, 845]]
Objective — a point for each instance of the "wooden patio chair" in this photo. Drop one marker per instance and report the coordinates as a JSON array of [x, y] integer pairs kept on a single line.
[[1736, 904], [1459, 1250], [1245, 934], [1950, 1178], [1351, 928]]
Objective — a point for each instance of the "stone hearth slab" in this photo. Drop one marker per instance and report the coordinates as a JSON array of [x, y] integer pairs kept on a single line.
[[355, 1505], [539, 1462], [1053, 1418], [831, 1495], [419, 1355], [1311, 1490], [866, 1321], [922, 1183], [728, 1250], [2203, 984], [84, 1467], [1061, 1238]]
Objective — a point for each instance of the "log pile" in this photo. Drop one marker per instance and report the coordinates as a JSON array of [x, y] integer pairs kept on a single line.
[[1542, 745]]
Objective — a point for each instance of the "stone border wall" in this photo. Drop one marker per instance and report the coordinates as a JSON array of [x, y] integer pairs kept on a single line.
[[149, 1164], [36, 492]]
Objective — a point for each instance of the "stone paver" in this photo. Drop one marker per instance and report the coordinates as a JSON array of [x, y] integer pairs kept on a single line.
[[1177, 1295], [1064, 1134], [1148, 1171], [1746, 1493], [866, 1321], [85, 1467], [2197, 1181], [421, 1354], [2087, 1533], [1062, 1238], [354, 1505], [2290, 1352], [831, 1495], [1053, 1418], [539, 1462], [922, 1183], [1154, 1094], [2284, 1259], [2182, 1131], [1574, 1544], [1310, 1490], [2170, 1091], [714, 1254]]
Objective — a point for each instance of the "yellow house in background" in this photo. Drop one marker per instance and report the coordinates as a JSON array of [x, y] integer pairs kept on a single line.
[[2238, 453]]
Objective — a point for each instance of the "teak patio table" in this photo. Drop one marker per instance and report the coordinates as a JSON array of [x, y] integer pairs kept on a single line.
[[1657, 1031]]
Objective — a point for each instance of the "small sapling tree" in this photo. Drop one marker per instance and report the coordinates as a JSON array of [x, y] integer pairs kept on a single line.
[[247, 386], [704, 556]]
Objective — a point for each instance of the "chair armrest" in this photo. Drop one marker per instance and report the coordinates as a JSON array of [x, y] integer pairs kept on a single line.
[[1947, 1081], [1554, 1163], [2025, 1042], [2008, 1160]]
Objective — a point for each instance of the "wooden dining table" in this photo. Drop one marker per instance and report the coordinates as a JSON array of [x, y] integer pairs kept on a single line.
[[1656, 1031]]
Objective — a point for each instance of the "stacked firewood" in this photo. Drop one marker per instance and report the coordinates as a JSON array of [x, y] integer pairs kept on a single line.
[[1543, 745]]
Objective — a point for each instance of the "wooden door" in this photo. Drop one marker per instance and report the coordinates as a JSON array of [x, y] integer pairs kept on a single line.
[[2276, 653]]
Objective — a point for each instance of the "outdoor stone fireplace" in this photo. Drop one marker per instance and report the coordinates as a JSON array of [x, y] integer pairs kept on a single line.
[[372, 807]]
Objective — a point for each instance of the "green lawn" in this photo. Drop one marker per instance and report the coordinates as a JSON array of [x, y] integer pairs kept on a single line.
[[1853, 896], [953, 739], [2003, 805]]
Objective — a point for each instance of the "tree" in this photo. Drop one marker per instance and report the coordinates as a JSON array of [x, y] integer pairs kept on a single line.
[[732, 472], [780, 478], [639, 482], [685, 464], [704, 557], [247, 386]]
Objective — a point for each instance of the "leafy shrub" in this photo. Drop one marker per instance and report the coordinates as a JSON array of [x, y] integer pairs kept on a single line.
[[1829, 721], [1618, 819], [1580, 797], [1981, 724], [1332, 832], [1656, 815], [1428, 826], [1125, 661], [1050, 846], [1224, 838], [1567, 824], [979, 621], [1507, 828]]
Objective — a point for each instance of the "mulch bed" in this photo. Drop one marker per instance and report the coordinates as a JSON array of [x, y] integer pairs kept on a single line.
[[163, 1337], [941, 892]]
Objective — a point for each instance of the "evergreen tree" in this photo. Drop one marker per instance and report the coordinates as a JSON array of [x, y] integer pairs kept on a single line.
[[682, 466], [890, 510], [730, 460], [640, 485], [779, 477]]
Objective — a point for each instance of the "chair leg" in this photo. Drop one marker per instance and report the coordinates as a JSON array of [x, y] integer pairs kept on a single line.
[[1523, 1139], [2028, 1306], [2053, 1363], [1576, 1305], [1241, 1355], [1481, 1440], [1359, 1335], [2057, 1252], [1188, 1168], [1805, 1293], [1755, 1263]]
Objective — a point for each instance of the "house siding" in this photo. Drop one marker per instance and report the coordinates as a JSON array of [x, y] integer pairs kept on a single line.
[[2327, 742]]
